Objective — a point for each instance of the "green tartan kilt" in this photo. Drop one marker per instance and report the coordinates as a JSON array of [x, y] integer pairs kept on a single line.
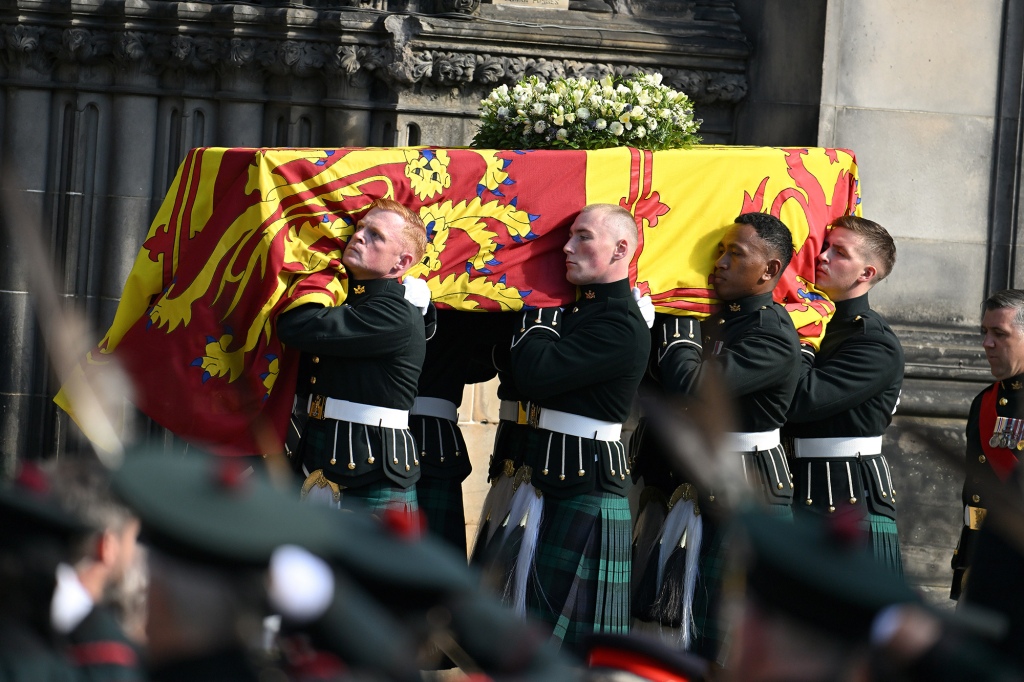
[[377, 497], [582, 568], [441, 502], [885, 542]]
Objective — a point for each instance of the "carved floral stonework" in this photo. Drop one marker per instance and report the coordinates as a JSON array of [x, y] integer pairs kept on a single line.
[[401, 56]]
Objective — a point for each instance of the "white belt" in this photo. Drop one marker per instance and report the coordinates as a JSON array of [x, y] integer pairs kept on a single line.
[[576, 425], [837, 447], [748, 442], [435, 407], [358, 413], [508, 410]]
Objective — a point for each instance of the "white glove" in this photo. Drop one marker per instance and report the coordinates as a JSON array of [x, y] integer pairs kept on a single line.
[[418, 293], [646, 305]]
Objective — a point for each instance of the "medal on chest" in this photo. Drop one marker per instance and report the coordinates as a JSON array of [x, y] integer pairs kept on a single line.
[[1007, 433]]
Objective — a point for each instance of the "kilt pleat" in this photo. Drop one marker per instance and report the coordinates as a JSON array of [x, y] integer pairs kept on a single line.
[[582, 567], [442, 505], [885, 542]]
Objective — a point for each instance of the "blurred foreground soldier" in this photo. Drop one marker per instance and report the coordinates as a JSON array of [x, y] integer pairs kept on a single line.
[[83, 606], [803, 599], [580, 370], [995, 423], [849, 390], [225, 547], [36, 535], [366, 360], [913, 644], [752, 347], [358, 597]]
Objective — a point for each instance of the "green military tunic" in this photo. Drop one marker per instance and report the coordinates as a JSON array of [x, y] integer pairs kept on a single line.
[[368, 351], [1006, 398], [850, 389], [586, 360]]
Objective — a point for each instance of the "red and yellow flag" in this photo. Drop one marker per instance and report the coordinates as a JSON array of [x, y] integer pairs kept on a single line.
[[244, 234]]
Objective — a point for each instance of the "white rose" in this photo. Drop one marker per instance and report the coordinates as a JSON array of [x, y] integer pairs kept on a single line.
[[562, 134], [583, 113], [600, 124], [657, 78], [638, 113], [537, 108], [540, 127], [615, 128], [503, 111]]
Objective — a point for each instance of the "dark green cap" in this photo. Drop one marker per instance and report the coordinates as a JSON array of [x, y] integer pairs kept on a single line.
[[215, 510], [28, 510], [819, 574]]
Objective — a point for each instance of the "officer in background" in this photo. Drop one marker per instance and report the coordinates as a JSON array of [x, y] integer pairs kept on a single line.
[[84, 605], [752, 347], [36, 535], [366, 361], [849, 390], [995, 423], [580, 369]]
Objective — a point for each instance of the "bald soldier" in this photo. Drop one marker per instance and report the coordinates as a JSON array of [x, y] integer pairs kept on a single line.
[[579, 368], [366, 360]]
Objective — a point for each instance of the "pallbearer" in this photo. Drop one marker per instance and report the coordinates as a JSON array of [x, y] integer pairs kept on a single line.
[[849, 390], [366, 358], [580, 368]]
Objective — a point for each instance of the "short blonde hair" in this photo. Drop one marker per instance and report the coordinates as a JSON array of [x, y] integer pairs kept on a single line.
[[876, 239], [618, 219], [413, 229]]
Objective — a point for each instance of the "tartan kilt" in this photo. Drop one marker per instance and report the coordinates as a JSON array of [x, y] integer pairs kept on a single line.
[[885, 542], [441, 502], [377, 497], [580, 582]]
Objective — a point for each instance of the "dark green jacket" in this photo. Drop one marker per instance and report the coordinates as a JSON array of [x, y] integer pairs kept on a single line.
[[852, 385], [592, 368], [757, 352], [979, 477], [368, 351]]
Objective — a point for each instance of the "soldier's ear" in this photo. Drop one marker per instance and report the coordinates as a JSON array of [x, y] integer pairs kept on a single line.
[[405, 262], [868, 274], [772, 269], [621, 250]]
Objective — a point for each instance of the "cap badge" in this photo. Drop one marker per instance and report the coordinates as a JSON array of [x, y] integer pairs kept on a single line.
[[360, 289], [589, 294]]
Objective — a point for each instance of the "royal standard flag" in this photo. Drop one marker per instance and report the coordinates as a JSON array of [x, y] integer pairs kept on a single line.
[[244, 234]]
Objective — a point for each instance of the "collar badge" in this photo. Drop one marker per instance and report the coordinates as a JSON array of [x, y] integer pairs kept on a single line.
[[360, 289], [734, 307], [589, 294]]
